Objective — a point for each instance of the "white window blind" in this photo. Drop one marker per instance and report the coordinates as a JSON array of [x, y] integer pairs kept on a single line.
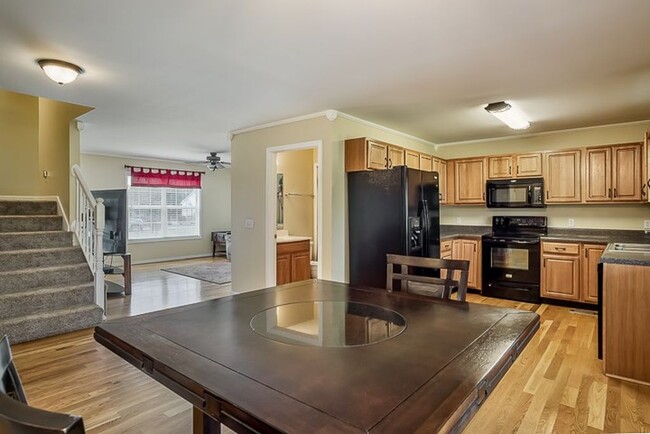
[[156, 212]]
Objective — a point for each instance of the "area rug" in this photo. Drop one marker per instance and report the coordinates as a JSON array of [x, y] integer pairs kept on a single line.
[[216, 273]]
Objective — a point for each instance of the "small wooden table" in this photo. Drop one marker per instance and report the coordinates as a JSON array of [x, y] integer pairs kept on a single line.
[[432, 376]]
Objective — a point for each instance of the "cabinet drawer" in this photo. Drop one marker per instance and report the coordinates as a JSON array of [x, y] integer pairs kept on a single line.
[[561, 248], [445, 245]]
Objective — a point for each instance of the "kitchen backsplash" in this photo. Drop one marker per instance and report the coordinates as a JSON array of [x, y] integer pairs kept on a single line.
[[583, 216]]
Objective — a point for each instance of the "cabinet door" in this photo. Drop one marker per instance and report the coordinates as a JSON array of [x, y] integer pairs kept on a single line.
[[499, 167], [589, 287], [442, 180], [412, 159], [377, 155], [283, 269], [469, 182], [300, 266], [528, 165], [395, 156], [426, 163], [561, 277], [562, 176], [598, 175], [626, 173], [445, 255], [469, 252]]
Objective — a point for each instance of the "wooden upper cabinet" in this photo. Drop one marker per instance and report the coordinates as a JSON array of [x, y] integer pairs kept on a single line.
[[440, 166], [614, 173], [626, 173], [377, 155], [499, 167], [412, 159], [515, 166], [528, 165], [562, 175], [426, 163], [469, 181], [395, 156], [598, 186]]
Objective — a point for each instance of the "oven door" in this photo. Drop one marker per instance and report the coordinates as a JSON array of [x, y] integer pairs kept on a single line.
[[511, 260]]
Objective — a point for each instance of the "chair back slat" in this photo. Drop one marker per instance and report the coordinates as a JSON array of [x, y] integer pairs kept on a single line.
[[10, 383], [454, 275]]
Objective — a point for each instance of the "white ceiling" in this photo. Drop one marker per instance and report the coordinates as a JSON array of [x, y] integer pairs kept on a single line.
[[170, 79]]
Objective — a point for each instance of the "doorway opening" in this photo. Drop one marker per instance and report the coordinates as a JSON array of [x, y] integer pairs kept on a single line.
[[293, 212]]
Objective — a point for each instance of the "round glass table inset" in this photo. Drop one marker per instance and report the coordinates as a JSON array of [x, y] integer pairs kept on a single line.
[[328, 323]]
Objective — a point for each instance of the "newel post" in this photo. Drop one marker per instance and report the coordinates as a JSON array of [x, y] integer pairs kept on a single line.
[[100, 293]]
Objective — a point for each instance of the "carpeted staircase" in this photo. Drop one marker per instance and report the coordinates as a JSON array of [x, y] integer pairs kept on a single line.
[[46, 286]]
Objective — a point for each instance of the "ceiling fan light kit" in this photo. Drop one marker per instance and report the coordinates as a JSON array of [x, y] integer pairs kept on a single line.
[[508, 114], [214, 162], [60, 71]]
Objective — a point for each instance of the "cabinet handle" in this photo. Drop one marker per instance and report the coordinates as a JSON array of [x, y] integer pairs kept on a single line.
[[390, 163], [483, 195], [547, 194], [517, 169], [586, 253], [560, 248], [615, 193], [509, 170], [643, 190], [386, 160], [609, 193], [439, 196]]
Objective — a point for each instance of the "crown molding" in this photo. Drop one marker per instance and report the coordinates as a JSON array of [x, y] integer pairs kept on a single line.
[[542, 133], [331, 115]]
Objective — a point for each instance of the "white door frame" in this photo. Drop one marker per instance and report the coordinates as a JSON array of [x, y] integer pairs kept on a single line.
[[271, 204]]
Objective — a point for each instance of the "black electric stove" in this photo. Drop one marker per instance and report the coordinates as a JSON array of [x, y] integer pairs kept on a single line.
[[511, 258]]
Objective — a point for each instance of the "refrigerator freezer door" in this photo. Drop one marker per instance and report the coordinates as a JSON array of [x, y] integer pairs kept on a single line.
[[430, 197]]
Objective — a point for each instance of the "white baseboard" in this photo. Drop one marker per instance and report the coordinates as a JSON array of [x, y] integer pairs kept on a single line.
[[173, 258]]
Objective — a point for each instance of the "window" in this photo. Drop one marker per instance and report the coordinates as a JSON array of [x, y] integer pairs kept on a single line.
[[158, 212]]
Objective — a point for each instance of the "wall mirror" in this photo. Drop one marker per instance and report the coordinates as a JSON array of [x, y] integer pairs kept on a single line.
[[280, 204]]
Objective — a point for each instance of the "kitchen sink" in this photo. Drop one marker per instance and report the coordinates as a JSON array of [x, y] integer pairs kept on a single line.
[[629, 247]]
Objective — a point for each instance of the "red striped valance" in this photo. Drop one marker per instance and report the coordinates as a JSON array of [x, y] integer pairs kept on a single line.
[[152, 177]]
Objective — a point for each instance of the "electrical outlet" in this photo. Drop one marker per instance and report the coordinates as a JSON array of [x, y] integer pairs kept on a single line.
[[572, 223], [646, 224], [458, 220], [249, 223]]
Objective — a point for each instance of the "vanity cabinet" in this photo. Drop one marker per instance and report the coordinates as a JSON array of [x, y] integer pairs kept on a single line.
[[293, 262]]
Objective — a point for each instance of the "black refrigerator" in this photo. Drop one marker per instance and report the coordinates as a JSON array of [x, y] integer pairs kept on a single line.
[[390, 211]]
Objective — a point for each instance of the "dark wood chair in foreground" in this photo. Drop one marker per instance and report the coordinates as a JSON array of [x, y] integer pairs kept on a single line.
[[16, 417], [453, 276]]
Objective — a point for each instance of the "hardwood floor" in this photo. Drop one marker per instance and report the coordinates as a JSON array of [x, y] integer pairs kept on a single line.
[[556, 385]]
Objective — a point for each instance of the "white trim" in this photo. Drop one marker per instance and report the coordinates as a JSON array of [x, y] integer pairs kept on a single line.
[[542, 133], [165, 239], [270, 199], [331, 115], [386, 129], [173, 258]]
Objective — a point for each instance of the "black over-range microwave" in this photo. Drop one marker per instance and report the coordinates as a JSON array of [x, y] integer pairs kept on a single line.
[[515, 193]]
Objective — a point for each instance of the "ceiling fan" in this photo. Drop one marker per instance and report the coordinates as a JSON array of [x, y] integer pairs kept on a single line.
[[213, 162]]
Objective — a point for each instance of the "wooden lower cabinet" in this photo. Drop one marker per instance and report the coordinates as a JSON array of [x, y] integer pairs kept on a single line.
[[469, 250], [293, 262], [570, 271]]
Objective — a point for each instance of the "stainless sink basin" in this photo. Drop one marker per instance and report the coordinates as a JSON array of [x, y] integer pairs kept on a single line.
[[629, 247]]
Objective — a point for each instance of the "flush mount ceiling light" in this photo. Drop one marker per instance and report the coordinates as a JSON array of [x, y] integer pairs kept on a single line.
[[60, 71], [509, 115]]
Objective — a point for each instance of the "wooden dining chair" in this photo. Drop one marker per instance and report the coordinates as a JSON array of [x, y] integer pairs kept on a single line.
[[453, 276], [16, 417]]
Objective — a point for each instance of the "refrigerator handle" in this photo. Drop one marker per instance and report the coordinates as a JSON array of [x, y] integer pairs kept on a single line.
[[425, 228]]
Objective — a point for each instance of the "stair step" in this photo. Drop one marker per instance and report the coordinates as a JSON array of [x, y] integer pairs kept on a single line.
[[35, 258], [30, 223], [28, 207], [34, 278], [40, 325], [45, 299], [10, 241]]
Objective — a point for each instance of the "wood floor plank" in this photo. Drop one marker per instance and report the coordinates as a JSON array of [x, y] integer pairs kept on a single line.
[[556, 384]]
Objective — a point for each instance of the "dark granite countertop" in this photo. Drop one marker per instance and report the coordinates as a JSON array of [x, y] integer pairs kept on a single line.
[[598, 236], [623, 257], [459, 231]]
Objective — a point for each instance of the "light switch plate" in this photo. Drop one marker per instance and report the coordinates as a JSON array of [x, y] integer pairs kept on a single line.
[[646, 224], [249, 223], [458, 220], [572, 223]]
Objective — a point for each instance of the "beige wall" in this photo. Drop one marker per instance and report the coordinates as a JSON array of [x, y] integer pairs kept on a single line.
[[103, 172], [585, 216], [35, 136], [249, 187], [297, 167]]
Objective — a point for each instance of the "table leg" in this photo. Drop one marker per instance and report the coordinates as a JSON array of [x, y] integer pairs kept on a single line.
[[127, 274], [204, 424]]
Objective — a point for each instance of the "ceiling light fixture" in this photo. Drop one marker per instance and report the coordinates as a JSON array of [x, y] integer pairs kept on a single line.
[[509, 115], [60, 71]]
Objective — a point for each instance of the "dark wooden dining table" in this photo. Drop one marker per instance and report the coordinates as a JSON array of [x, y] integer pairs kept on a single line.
[[431, 377]]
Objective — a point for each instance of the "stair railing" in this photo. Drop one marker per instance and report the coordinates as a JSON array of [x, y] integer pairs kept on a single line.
[[88, 228]]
